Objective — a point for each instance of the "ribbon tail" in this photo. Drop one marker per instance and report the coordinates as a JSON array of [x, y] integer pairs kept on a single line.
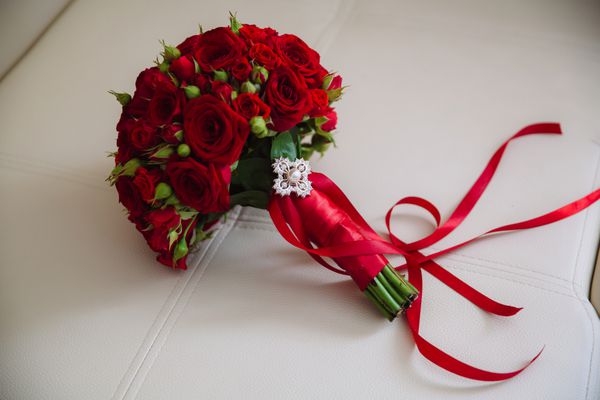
[[468, 292], [441, 358]]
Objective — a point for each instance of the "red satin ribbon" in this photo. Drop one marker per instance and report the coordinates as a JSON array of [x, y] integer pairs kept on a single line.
[[286, 215]]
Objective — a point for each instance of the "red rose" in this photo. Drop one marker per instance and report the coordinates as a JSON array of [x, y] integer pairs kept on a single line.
[[241, 70], [214, 132], [149, 80], [141, 135], [165, 105], [265, 56], [183, 68], [287, 95], [166, 258], [305, 60], [129, 196], [162, 222], [125, 151], [218, 48], [189, 45], [253, 34], [331, 121], [198, 186], [166, 218], [250, 105], [146, 182], [222, 90], [320, 102]]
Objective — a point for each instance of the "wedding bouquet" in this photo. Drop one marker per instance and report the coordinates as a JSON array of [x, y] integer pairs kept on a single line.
[[231, 117], [209, 126]]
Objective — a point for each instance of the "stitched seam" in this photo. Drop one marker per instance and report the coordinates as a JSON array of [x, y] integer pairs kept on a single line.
[[200, 265], [510, 280], [581, 301], [203, 254]]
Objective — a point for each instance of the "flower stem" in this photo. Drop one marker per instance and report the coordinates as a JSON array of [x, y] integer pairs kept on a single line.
[[390, 292]]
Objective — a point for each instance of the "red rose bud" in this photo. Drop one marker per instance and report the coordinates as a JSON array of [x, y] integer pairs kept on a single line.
[[331, 82], [191, 91], [183, 68], [259, 75], [331, 122], [248, 87], [258, 126], [162, 191], [220, 75], [145, 181], [222, 90], [183, 150]]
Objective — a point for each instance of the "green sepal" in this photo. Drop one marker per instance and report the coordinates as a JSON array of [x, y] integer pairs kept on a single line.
[[183, 150], [163, 152], [284, 145], [187, 214], [191, 91], [254, 198], [162, 191], [335, 94], [319, 121], [181, 250], [123, 98], [220, 75], [327, 81], [172, 201], [234, 23], [248, 87], [170, 53], [173, 236], [196, 66], [179, 135]]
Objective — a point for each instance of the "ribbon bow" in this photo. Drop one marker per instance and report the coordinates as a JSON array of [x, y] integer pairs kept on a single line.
[[285, 216]]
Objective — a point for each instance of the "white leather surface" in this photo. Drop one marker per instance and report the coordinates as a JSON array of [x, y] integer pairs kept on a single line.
[[21, 23], [85, 312]]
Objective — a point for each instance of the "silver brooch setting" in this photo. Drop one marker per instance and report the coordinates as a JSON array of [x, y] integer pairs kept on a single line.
[[292, 177]]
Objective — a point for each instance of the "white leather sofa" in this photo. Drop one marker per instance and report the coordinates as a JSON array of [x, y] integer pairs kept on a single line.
[[86, 312]]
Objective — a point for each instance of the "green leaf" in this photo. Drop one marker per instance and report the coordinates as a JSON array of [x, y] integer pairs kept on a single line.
[[284, 146], [253, 198], [253, 174]]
